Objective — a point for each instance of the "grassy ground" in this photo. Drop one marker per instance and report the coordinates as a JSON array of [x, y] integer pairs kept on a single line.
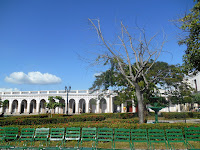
[[104, 145]]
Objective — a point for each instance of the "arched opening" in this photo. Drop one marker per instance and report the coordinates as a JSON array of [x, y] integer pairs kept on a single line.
[[61, 107], [32, 106], [81, 106], [71, 106], [23, 107], [103, 106], [6, 107], [116, 106], [14, 106], [129, 106], [42, 109], [92, 106]]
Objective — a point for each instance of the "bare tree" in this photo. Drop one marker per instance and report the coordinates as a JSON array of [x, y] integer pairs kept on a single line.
[[134, 53]]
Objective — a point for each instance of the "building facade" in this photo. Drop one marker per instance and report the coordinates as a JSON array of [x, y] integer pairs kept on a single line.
[[194, 81], [79, 101]]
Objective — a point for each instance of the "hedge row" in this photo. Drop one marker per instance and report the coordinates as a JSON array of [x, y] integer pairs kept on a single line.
[[54, 120], [120, 115], [180, 115], [106, 115], [25, 116]]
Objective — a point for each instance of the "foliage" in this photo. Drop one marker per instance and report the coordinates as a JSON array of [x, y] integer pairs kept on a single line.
[[180, 115], [43, 119], [182, 94], [4, 103], [164, 76], [190, 24], [176, 86], [53, 104], [53, 120], [196, 98]]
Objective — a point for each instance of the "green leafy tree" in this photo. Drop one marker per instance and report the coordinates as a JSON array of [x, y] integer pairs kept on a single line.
[[196, 98], [178, 89], [162, 74], [191, 25], [53, 104], [4, 103]]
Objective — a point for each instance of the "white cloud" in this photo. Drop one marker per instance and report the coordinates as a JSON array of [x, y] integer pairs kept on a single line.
[[8, 89], [32, 78], [97, 74]]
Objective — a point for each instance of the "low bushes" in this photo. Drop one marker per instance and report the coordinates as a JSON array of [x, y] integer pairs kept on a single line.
[[115, 118], [31, 121], [44, 119], [116, 115], [180, 115]]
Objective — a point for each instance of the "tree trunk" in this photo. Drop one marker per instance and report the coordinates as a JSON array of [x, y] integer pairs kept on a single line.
[[140, 104]]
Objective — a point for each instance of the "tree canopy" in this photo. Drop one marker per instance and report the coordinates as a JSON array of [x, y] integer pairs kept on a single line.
[[190, 24], [164, 75], [53, 104]]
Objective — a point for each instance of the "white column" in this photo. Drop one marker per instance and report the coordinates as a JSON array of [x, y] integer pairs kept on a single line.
[[19, 106], [87, 105], [178, 108], [108, 105], [122, 107], [56, 110], [133, 107], [10, 106], [111, 104], [1, 110], [97, 106], [37, 106], [28, 106], [76, 106]]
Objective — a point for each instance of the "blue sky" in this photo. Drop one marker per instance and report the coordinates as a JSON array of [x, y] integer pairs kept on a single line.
[[44, 43]]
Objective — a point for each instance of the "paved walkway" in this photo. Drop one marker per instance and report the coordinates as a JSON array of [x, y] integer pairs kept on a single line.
[[176, 121]]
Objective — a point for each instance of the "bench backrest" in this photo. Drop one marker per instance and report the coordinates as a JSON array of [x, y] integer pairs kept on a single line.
[[89, 134], [57, 134], [104, 134], [11, 133], [2, 133], [73, 133], [156, 136], [174, 135], [122, 135], [139, 135], [27, 134], [41, 134], [192, 134]]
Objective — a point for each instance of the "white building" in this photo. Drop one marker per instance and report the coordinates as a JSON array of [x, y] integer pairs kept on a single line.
[[194, 81], [79, 101]]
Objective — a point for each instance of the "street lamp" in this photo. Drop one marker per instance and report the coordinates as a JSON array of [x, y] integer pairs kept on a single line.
[[67, 91]]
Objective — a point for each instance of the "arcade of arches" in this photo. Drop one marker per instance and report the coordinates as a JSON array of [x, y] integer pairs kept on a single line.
[[25, 106]]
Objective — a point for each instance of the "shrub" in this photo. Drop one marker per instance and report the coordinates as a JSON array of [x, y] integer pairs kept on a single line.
[[54, 120], [180, 115]]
